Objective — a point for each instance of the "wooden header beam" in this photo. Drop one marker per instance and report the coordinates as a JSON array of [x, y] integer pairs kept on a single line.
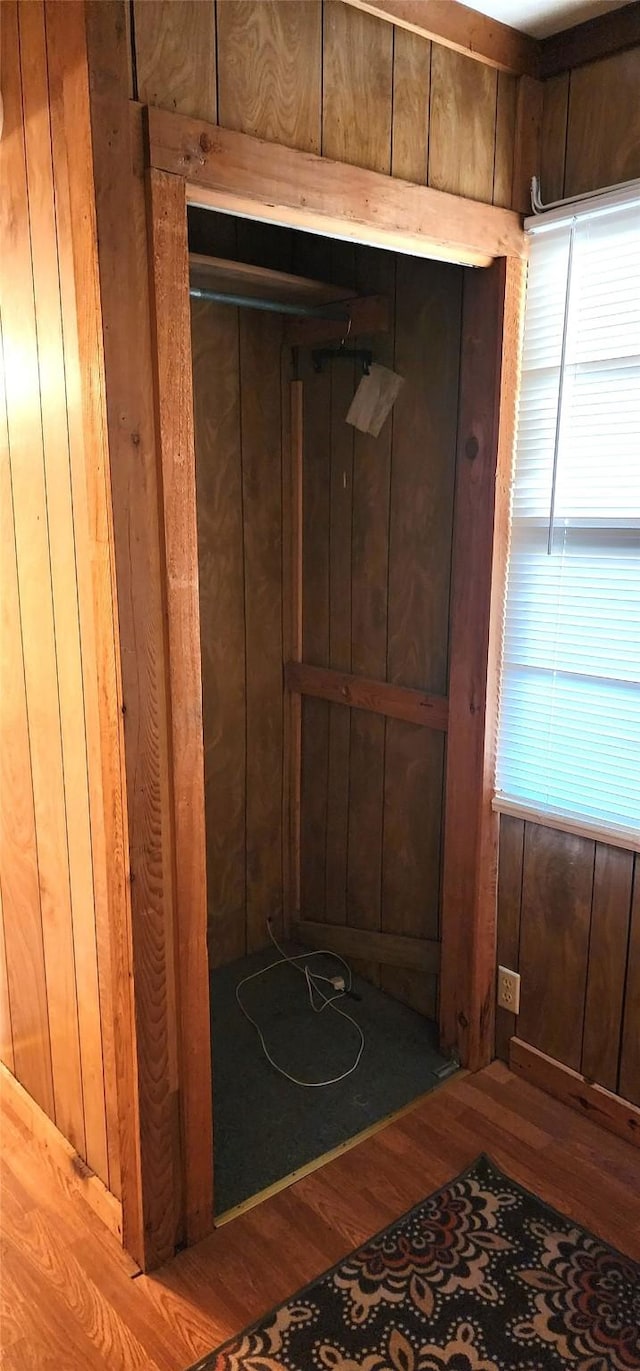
[[609, 33], [259, 180], [465, 30]]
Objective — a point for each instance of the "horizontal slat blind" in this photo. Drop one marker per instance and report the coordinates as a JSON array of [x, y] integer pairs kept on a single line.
[[569, 736]]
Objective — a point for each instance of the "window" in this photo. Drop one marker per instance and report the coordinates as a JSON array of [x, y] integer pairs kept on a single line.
[[569, 732]]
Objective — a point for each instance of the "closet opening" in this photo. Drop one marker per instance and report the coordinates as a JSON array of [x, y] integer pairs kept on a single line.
[[324, 569]]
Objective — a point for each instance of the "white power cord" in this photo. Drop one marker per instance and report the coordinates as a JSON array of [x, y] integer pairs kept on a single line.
[[317, 999]]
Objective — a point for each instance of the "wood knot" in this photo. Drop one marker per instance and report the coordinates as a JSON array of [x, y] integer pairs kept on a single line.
[[135, 439], [463, 1020], [205, 143], [472, 448]]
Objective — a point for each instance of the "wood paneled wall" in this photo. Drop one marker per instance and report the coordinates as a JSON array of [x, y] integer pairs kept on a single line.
[[321, 76], [569, 921], [240, 375], [591, 126], [62, 858], [378, 516], [568, 908]]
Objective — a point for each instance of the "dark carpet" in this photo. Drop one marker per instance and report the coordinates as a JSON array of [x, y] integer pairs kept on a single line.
[[267, 1127], [482, 1276]]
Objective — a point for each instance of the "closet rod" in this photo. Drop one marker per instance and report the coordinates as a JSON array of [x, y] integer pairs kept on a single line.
[[340, 312]]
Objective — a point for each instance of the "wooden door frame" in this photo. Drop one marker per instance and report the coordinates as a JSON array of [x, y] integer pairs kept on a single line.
[[191, 162]]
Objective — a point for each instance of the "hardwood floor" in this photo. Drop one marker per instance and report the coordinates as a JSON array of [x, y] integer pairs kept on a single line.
[[71, 1299]]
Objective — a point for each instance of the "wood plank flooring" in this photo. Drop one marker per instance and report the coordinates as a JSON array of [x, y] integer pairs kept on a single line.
[[71, 1299]]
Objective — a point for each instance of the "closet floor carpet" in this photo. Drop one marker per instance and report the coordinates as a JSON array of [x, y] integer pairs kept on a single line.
[[267, 1127]]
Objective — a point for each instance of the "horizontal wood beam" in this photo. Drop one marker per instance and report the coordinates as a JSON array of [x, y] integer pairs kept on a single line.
[[377, 697], [78, 1177], [465, 30], [234, 172], [612, 32], [367, 314], [388, 949], [590, 1100]]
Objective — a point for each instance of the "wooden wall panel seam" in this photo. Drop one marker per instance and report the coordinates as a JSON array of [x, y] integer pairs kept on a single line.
[[22, 911], [64, 571], [41, 665]]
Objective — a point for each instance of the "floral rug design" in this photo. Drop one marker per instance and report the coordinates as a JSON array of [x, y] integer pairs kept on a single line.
[[482, 1276]]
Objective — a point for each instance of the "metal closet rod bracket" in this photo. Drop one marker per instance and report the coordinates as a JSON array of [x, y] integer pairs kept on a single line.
[[363, 355]]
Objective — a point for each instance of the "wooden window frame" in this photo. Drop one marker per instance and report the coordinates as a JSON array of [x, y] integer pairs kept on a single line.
[[191, 162]]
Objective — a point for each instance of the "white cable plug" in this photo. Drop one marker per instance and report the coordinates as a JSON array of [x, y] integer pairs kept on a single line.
[[317, 999]]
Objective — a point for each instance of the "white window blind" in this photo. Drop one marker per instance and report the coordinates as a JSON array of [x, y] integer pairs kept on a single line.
[[569, 729]]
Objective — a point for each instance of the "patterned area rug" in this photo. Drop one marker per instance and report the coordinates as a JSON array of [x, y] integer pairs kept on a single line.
[[482, 1276]]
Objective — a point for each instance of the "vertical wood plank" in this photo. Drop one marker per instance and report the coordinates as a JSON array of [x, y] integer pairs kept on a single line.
[[151, 1181], [554, 941], [462, 124], [491, 329], [64, 575], [553, 142], [427, 354], [505, 139], [357, 87], [629, 1078], [312, 257], [23, 386], [509, 901], [6, 1030], [175, 56], [89, 461], [292, 576], [603, 134], [169, 265], [526, 160], [343, 385], [375, 272], [411, 95], [216, 378], [27, 987], [260, 344], [612, 882], [270, 70]]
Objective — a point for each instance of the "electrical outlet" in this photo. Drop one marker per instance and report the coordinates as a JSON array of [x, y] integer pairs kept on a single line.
[[508, 990]]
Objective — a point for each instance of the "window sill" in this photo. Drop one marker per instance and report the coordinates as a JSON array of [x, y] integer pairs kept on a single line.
[[581, 828]]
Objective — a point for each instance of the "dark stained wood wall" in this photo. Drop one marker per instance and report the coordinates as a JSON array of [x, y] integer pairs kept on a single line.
[[377, 534], [568, 907], [62, 855], [321, 76], [376, 562], [591, 126], [240, 373], [569, 922]]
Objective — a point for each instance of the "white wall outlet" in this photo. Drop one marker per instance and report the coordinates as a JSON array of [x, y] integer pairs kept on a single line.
[[508, 990]]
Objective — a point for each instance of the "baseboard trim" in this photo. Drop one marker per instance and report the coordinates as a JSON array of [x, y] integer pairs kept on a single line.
[[592, 1101], [79, 1177]]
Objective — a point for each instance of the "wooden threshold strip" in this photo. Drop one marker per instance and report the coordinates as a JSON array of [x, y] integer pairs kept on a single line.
[[378, 697], [389, 949], [592, 1101], [240, 174]]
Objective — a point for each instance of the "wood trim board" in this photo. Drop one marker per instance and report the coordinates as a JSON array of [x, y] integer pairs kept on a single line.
[[243, 175], [364, 944], [79, 1177], [493, 309], [169, 268], [377, 697], [457, 26], [590, 1100]]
